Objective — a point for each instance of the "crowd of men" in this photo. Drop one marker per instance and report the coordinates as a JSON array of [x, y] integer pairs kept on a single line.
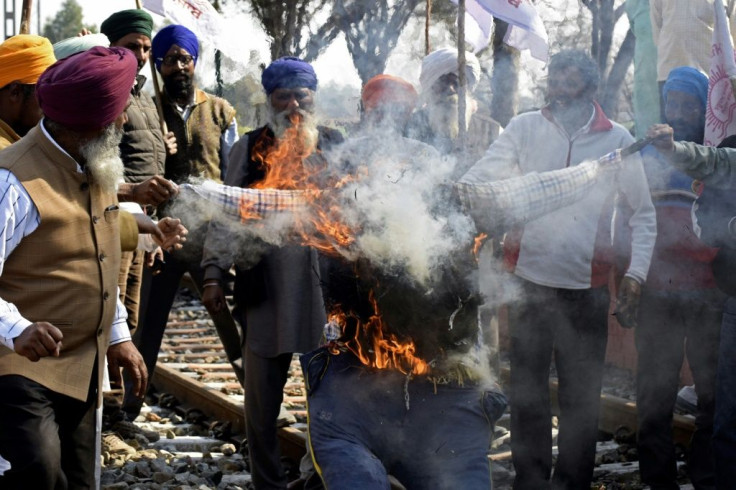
[[87, 161]]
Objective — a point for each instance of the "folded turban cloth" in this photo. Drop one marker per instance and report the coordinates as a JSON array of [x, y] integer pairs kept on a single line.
[[288, 72], [689, 80], [387, 89], [444, 61], [127, 22], [88, 91], [170, 35], [23, 58], [74, 45]]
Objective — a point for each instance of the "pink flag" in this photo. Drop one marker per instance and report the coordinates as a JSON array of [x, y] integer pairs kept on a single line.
[[526, 29], [719, 113]]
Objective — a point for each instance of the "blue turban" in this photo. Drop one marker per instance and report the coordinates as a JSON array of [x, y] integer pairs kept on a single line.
[[688, 80], [170, 35], [288, 72]]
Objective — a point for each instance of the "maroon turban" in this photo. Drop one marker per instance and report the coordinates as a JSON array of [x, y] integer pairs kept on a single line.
[[89, 90]]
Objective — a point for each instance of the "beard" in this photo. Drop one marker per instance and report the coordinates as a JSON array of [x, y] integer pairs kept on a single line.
[[442, 114], [102, 159], [684, 131], [299, 124], [179, 86]]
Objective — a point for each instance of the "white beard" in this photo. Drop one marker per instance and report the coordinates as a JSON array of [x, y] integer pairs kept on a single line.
[[306, 129], [443, 116], [103, 162]]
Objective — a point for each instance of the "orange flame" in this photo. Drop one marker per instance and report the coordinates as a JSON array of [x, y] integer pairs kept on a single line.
[[478, 243], [385, 351], [283, 164]]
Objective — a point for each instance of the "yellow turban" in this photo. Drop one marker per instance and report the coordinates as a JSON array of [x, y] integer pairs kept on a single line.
[[23, 58]]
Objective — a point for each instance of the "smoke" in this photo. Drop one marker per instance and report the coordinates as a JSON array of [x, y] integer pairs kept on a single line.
[[398, 202]]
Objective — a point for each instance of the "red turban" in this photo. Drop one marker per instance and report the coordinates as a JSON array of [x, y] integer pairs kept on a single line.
[[89, 90], [387, 89]]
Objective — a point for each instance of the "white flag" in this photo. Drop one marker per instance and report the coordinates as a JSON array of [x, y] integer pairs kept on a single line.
[[719, 112], [199, 16], [526, 29]]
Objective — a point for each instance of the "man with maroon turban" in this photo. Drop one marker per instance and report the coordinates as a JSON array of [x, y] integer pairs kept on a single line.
[[59, 314], [22, 60]]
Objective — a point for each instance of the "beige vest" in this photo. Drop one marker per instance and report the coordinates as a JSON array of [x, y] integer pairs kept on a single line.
[[65, 272]]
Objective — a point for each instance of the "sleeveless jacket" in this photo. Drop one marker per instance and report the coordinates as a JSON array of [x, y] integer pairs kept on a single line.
[[142, 148], [198, 138], [66, 271]]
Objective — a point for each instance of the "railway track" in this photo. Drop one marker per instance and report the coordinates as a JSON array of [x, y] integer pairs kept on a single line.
[[193, 367]]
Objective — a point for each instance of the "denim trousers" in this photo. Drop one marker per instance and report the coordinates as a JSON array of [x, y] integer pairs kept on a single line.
[[365, 424], [724, 424]]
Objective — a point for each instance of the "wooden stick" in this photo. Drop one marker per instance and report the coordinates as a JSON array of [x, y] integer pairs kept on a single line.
[[427, 22], [156, 87], [25, 17], [462, 79]]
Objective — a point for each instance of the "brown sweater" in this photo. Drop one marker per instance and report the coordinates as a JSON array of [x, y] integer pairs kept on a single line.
[[197, 138], [65, 272]]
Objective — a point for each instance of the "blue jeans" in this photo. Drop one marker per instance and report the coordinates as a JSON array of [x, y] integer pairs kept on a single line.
[[724, 424], [360, 428]]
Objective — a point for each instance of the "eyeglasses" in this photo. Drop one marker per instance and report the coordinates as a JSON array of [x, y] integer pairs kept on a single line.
[[174, 60]]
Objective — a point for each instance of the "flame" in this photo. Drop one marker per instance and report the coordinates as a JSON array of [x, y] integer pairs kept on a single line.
[[478, 243], [291, 163], [386, 351], [288, 163]]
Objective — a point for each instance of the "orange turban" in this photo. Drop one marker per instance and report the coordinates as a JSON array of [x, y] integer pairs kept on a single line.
[[387, 89], [23, 58]]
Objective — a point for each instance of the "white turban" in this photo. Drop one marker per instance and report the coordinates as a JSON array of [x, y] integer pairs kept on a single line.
[[73, 45], [444, 61]]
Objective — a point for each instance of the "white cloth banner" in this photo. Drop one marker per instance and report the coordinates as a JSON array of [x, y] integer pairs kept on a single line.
[[199, 16], [719, 112], [526, 29]]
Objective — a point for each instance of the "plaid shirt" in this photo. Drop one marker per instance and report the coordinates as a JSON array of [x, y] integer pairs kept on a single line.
[[261, 202], [521, 199]]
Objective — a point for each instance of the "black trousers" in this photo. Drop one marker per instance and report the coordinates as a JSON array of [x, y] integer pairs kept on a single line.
[[572, 326], [672, 324], [265, 378], [48, 438], [153, 320]]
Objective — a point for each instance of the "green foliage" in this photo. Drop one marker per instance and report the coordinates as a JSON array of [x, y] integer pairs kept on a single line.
[[66, 23]]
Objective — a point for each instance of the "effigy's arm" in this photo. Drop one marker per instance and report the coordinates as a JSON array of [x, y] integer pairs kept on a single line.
[[244, 203], [517, 200]]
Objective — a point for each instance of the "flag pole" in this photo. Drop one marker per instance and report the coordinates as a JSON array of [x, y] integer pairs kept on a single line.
[[462, 79], [25, 17], [427, 21], [156, 88]]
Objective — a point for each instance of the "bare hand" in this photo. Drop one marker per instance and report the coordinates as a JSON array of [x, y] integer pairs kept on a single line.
[[152, 256], [40, 339], [171, 234], [213, 298], [125, 356], [170, 142], [84, 32], [663, 137], [153, 191]]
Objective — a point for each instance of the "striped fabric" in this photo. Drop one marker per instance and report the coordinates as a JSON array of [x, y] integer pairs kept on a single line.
[[261, 202]]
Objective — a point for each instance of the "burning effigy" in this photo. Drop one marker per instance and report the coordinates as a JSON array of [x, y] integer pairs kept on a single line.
[[404, 369]]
